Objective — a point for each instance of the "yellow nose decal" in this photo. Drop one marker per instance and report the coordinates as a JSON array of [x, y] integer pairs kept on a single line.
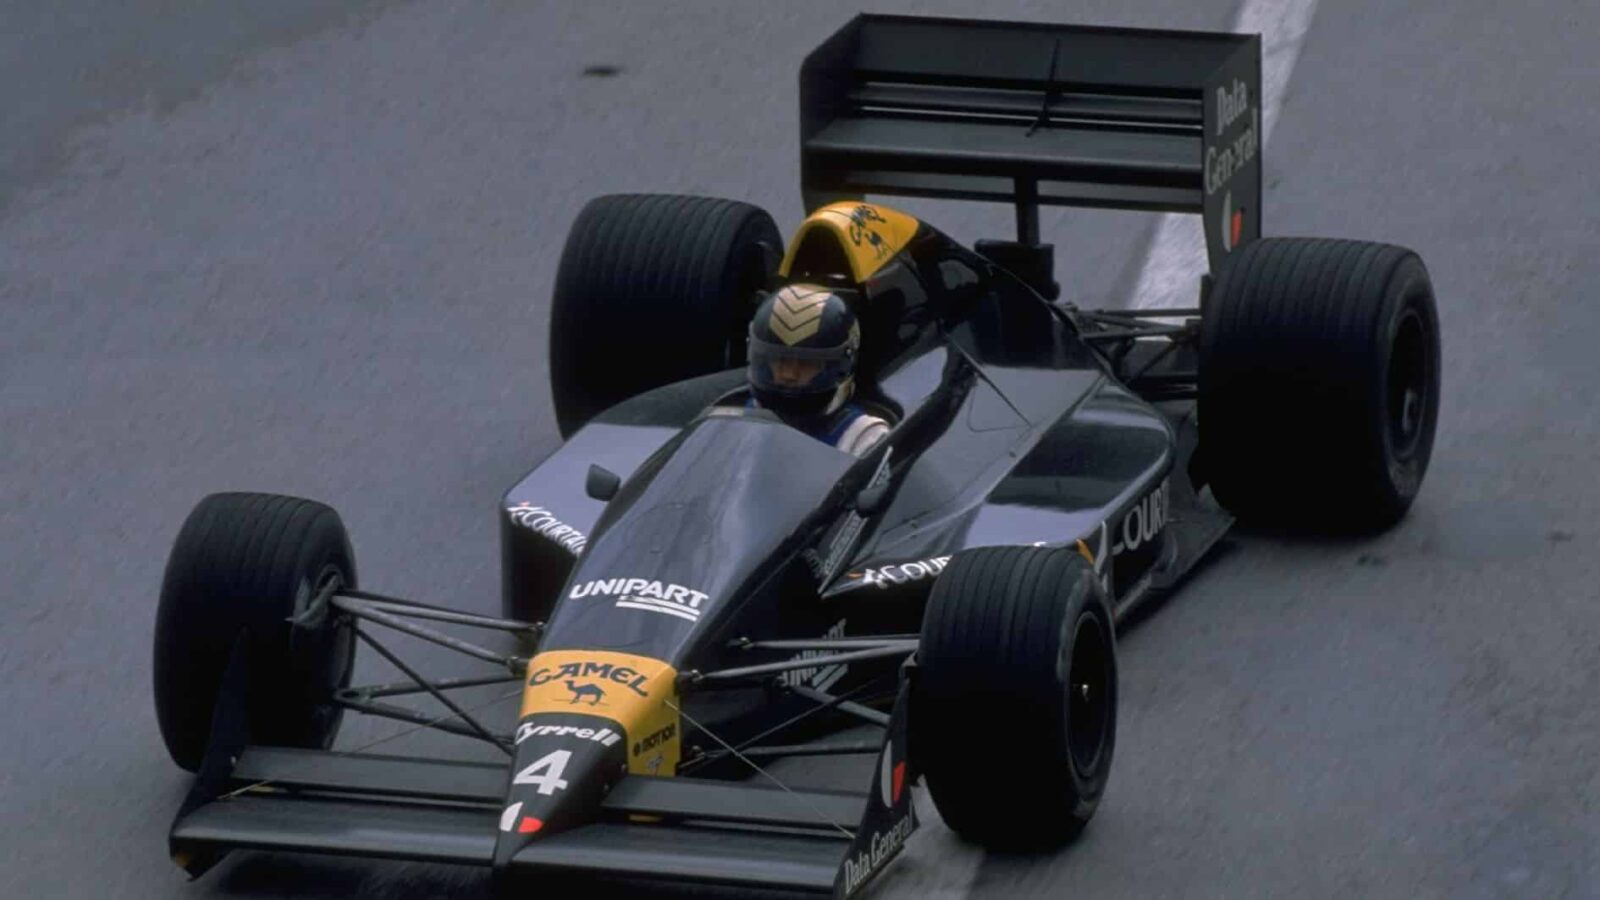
[[636, 693]]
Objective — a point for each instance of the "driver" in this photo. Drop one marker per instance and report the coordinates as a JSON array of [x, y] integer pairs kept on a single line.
[[804, 341]]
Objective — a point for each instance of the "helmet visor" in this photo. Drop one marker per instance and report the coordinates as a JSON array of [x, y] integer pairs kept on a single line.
[[798, 370]]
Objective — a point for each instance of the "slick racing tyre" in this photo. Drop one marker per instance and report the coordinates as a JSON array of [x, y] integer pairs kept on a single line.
[[1013, 714], [245, 564], [1319, 383], [653, 289]]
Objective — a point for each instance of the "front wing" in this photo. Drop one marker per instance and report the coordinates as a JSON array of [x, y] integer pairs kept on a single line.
[[695, 830]]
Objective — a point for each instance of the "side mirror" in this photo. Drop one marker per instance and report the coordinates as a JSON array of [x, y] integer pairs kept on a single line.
[[602, 483], [872, 499]]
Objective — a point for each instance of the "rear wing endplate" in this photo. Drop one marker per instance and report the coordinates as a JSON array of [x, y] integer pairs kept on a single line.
[[1031, 113]]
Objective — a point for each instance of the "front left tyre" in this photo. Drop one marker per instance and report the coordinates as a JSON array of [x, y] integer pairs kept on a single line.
[[245, 565]]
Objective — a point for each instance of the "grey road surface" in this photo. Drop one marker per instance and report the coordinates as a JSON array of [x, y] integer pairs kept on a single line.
[[307, 249]]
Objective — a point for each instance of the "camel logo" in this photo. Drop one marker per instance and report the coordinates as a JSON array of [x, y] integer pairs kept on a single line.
[[604, 697], [580, 691], [861, 219], [797, 314], [589, 670]]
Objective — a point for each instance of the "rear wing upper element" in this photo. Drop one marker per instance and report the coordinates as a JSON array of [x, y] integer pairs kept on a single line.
[[1031, 113]]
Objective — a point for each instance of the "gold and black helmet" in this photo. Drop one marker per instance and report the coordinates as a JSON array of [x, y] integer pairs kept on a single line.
[[804, 341]]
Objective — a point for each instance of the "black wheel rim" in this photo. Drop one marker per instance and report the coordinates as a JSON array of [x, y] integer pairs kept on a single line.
[[1407, 386], [1088, 694]]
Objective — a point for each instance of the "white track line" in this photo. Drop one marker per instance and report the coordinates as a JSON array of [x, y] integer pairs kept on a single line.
[[1176, 256]]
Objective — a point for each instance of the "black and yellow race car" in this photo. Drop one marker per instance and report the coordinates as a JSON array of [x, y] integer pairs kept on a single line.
[[694, 590]]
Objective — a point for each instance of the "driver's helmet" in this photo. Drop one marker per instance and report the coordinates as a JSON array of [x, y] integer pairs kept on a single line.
[[804, 340]]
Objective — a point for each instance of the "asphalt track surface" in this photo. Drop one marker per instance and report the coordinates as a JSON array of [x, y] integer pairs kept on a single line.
[[308, 251]]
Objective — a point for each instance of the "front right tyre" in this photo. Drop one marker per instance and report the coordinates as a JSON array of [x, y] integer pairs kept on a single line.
[[1013, 714]]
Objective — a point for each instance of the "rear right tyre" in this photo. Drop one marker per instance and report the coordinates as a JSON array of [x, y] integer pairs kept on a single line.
[[1319, 383]]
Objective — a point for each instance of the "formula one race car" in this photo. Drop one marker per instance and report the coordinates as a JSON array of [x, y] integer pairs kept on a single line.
[[694, 590]]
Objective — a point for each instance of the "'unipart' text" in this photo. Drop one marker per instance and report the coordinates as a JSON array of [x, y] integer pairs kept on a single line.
[[644, 594]]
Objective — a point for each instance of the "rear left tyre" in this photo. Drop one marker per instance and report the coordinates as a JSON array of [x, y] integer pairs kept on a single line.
[[1013, 713], [246, 564]]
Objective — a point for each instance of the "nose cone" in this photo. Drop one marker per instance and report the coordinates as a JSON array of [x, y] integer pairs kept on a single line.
[[588, 718]]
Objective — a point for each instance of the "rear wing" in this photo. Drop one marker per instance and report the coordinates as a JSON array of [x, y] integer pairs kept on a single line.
[[1031, 113]]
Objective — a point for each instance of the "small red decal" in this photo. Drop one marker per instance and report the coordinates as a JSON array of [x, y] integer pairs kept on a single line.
[[529, 825], [1238, 226], [899, 779]]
